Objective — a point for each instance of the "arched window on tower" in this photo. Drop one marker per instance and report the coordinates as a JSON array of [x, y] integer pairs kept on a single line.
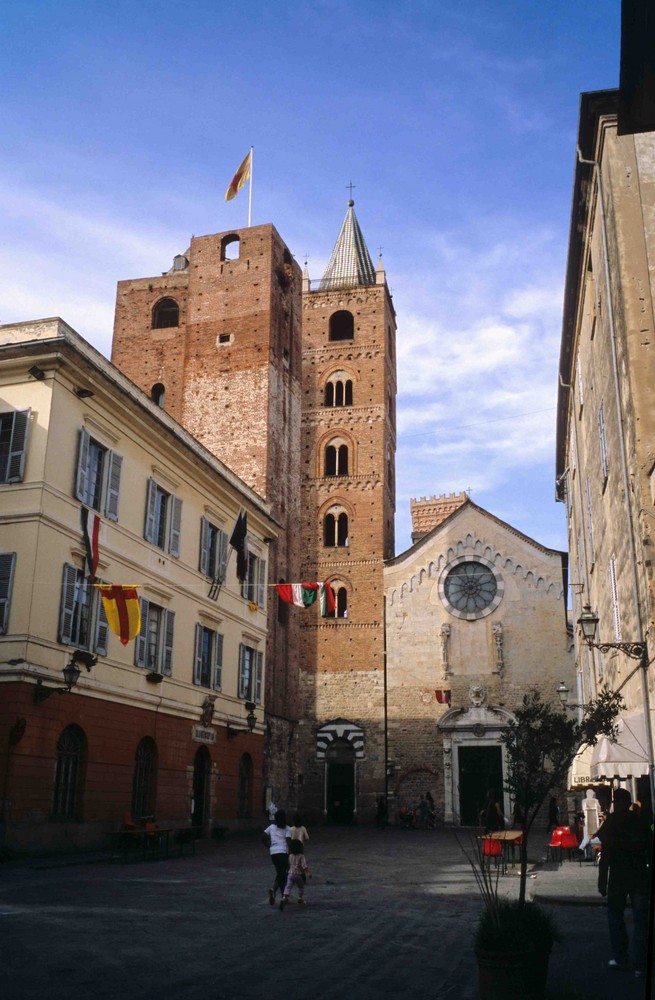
[[336, 460], [157, 394], [340, 600], [339, 390], [166, 313], [342, 325], [335, 527], [230, 247]]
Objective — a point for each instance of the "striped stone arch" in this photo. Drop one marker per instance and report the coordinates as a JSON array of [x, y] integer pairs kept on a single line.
[[340, 729]]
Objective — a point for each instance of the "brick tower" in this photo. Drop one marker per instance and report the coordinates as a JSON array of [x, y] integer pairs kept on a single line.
[[216, 341], [347, 526]]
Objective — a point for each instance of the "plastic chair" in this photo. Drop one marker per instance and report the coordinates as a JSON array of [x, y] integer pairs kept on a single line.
[[491, 849], [556, 843], [568, 843]]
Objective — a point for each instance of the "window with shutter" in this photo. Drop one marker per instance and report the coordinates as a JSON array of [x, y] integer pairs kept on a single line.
[[7, 563], [82, 619], [98, 476], [163, 519], [13, 445], [154, 643]]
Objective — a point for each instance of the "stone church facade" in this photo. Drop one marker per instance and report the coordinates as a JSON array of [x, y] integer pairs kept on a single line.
[[476, 616]]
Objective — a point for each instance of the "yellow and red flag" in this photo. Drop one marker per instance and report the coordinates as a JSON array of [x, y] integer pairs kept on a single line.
[[240, 178], [122, 610]]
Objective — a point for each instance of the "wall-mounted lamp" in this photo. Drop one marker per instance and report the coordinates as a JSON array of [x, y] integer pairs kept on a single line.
[[251, 721], [83, 393], [588, 622], [36, 373], [71, 674]]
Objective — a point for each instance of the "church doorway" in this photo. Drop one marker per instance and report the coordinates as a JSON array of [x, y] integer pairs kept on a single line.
[[340, 782], [201, 771], [480, 770]]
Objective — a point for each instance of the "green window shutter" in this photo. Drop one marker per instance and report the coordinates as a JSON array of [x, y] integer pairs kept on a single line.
[[167, 651], [218, 661], [113, 486], [223, 543], [197, 662], [175, 526], [203, 562], [18, 446], [141, 644], [259, 673], [151, 504], [102, 625], [7, 563], [67, 607], [261, 583], [82, 465]]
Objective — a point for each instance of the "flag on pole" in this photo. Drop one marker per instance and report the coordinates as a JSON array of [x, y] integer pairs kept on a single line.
[[303, 595], [90, 541], [443, 697], [122, 610], [239, 542], [240, 178]]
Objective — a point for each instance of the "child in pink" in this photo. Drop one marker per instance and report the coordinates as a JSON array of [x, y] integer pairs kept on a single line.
[[297, 868]]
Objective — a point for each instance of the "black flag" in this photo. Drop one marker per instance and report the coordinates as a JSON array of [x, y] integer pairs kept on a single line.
[[239, 542]]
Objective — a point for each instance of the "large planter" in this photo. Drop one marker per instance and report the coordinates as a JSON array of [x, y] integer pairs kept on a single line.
[[515, 974]]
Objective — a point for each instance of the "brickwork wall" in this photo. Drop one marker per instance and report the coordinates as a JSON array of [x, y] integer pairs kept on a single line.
[[342, 669], [242, 400], [428, 512], [113, 732]]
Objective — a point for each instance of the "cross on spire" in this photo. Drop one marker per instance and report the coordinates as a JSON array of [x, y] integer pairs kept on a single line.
[[351, 188]]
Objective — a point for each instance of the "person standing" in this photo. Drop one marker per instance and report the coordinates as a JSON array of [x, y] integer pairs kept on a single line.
[[494, 818], [298, 831], [298, 873], [626, 840], [277, 837]]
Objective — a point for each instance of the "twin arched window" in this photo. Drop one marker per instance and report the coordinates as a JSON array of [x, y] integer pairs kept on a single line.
[[342, 325], [339, 390], [165, 313], [336, 460], [335, 527], [340, 600]]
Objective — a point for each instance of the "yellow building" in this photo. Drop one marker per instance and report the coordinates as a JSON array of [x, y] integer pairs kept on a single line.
[[170, 724], [606, 427]]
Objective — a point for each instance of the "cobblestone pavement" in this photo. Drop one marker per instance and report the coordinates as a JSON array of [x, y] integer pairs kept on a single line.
[[388, 913]]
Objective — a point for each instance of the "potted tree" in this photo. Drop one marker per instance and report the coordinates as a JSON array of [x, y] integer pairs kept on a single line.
[[514, 938]]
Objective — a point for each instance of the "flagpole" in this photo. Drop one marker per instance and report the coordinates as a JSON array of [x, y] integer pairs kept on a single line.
[[250, 190]]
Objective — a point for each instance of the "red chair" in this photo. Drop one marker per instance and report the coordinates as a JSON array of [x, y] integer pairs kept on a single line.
[[491, 849], [556, 843], [569, 842]]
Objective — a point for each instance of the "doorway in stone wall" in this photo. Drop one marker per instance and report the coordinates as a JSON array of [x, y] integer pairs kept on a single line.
[[201, 771], [340, 785], [480, 769]]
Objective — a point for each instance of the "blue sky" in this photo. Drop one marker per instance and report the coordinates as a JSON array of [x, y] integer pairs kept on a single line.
[[123, 123]]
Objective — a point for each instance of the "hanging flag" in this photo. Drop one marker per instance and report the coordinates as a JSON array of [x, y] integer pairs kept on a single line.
[[443, 697], [303, 595], [122, 610], [239, 542], [90, 541], [239, 179]]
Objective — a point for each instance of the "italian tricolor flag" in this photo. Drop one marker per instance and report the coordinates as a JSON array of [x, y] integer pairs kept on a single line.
[[304, 594]]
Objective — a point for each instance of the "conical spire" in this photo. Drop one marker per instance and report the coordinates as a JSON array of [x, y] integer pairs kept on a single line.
[[350, 263]]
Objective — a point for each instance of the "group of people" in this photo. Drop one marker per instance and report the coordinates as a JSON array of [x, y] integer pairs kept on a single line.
[[421, 817], [286, 846]]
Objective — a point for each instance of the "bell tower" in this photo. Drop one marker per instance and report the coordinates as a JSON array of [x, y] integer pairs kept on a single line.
[[347, 525]]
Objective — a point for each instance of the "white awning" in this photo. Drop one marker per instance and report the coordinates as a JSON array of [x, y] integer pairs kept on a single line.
[[580, 770], [628, 757]]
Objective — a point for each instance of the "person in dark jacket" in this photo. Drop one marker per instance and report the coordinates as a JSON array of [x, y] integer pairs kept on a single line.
[[624, 873]]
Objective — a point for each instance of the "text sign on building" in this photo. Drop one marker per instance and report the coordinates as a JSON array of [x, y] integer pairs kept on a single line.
[[201, 735]]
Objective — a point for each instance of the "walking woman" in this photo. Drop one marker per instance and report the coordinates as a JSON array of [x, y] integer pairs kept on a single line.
[[277, 837]]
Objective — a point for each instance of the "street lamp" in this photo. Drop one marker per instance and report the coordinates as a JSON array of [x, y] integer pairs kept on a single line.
[[588, 623], [71, 674], [251, 722]]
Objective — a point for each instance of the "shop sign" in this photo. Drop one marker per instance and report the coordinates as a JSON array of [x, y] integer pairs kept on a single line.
[[201, 735]]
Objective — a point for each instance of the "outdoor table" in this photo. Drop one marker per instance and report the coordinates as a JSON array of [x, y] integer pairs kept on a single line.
[[155, 842], [509, 840]]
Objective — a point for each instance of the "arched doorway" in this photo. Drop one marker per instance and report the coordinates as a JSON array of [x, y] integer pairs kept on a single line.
[[340, 781], [245, 787], [201, 770]]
